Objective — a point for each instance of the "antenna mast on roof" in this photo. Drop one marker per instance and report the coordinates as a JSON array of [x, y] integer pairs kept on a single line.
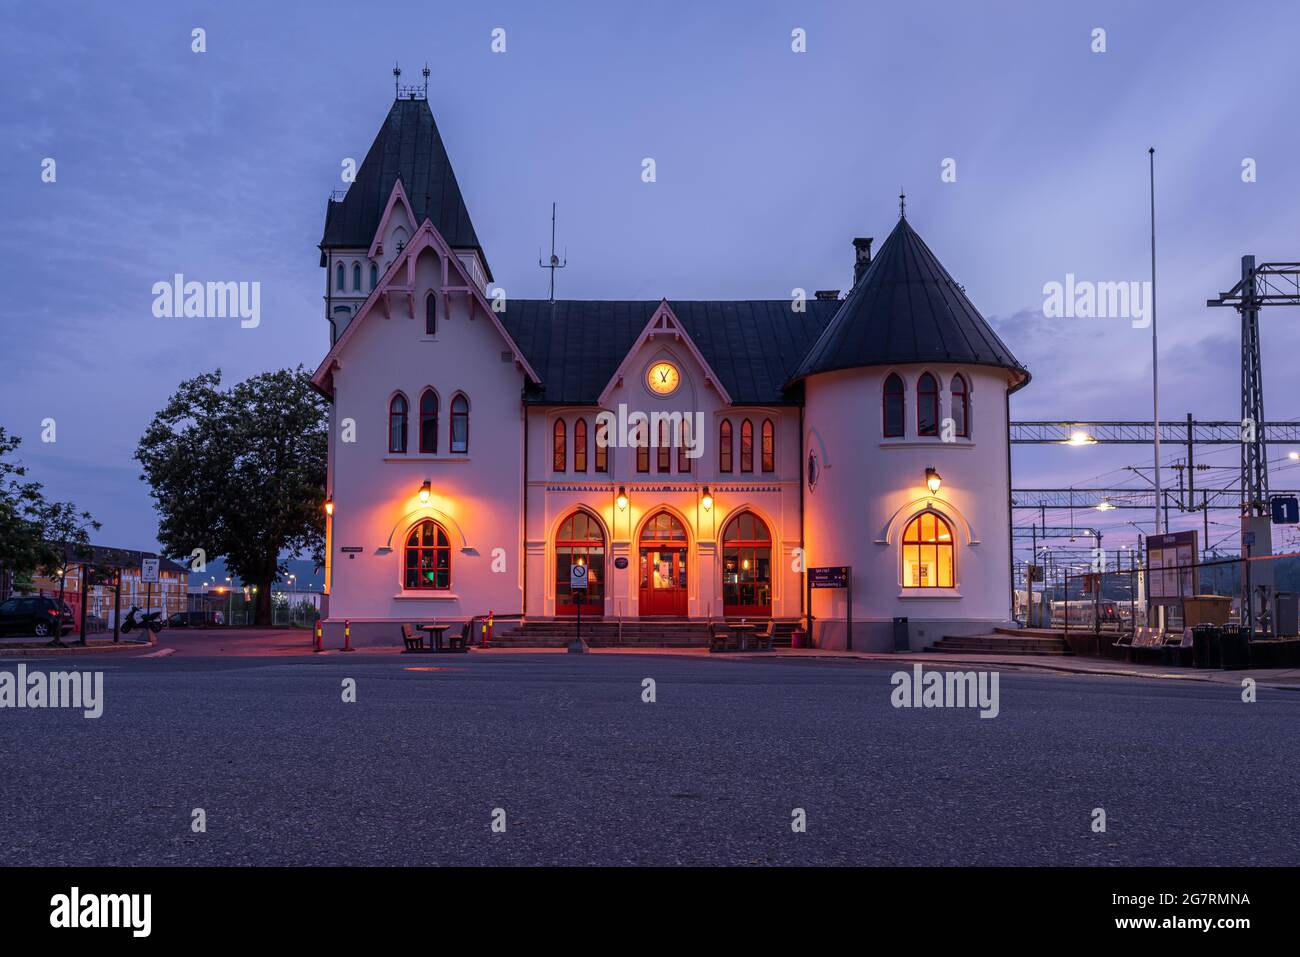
[[555, 262], [410, 92]]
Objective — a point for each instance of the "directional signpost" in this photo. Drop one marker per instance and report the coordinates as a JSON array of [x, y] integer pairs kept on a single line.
[[578, 587], [148, 575], [833, 576]]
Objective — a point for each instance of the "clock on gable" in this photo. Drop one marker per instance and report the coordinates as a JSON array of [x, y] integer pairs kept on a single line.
[[663, 378]]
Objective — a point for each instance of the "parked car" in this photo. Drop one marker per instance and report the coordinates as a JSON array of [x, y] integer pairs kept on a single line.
[[189, 619], [34, 615]]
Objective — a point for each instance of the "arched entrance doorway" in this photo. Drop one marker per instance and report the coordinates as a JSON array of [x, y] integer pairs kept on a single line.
[[746, 567], [580, 541], [663, 566]]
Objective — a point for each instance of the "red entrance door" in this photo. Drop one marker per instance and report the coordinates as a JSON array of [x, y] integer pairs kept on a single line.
[[663, 567]]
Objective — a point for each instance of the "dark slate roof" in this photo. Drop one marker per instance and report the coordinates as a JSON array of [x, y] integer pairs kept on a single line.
[[576, 346], [408, 145], [906, 308]]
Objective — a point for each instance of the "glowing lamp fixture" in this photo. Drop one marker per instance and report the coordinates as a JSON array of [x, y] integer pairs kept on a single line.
[[1104, 506], [1080, 437], [329, 505], [933, 480], [622, 498], [707, 499], [425, 491], [1293, 455]]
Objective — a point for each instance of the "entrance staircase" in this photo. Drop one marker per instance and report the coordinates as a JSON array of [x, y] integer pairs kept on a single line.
[[1005, 641], [606, 633]]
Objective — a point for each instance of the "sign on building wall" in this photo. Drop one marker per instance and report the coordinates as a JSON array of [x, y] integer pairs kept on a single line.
[[830, 576]]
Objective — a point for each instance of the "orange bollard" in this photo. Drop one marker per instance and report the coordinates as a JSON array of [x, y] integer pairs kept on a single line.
[[490, 623], [320, 637], [347, 635]]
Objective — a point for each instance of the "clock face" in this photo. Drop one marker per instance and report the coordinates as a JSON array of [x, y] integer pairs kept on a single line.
[[663, 378]]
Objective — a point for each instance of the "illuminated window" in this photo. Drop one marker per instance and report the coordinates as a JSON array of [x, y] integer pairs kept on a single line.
[[460, 423], [428, 558], [602, 445], [580, 541], [747, 446], [746, 567], [769, 446], [927, 552], [557, 446], [724, 446], [580, 445], [397, 409]]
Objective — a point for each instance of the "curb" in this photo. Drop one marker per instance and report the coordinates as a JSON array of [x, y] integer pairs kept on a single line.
[[73, 650]]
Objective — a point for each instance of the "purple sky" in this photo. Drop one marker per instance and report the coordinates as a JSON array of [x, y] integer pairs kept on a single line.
[[217, 165]]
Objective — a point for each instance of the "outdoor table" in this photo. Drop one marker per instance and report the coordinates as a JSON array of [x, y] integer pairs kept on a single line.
[[435, 632], [742, 630]]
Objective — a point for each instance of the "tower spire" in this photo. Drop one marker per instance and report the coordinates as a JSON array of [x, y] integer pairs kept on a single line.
[[902, 204]]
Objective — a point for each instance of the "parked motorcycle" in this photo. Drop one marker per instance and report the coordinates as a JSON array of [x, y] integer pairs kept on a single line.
[[151, 620]]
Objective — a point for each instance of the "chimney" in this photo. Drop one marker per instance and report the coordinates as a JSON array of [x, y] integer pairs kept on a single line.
[[827, 294], [861, 257]]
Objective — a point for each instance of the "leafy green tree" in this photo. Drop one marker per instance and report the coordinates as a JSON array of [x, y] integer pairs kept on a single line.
[[240, 473]]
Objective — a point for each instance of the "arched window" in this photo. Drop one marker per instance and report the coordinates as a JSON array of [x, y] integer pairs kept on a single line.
[[602, 445], [665, 463], [961, 406], [340, 278], [927, 552], [684, 447], [356, 277], [724, 446], [769, 446], [747, 446], [580, 445], [746, 566], [893, 406], [397, 423], [429, 421], [663, 559], [431, 315], [927, 405], [428, 558], [641, 437], [557, 447], [580, 541], [459, 423], [374, 275]]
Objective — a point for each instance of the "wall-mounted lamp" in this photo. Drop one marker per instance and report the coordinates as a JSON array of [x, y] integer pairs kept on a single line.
[[329, 505], [933, 480], [622, 498], [425, 491], [707, 499]]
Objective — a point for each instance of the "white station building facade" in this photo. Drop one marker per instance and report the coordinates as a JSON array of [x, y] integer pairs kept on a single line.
[[697, 457]]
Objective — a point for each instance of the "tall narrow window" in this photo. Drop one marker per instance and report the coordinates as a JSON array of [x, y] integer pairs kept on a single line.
[[374, 275], [724, 446], [960, 407], [769, 446], [684, 447], [602, 445], [460, 423], [431, 315], [580, 445], [356, 277], [927, 405], [557, 447], [641, 436], [927, 553], [747, 446], [397, 423], [429, 422], [893, 406], [665, 463], [340, 278]]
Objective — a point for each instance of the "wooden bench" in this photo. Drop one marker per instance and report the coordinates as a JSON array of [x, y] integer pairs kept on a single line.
[[412, 641]]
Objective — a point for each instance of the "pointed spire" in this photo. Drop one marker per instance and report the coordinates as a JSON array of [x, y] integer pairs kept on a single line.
[[902, 204]]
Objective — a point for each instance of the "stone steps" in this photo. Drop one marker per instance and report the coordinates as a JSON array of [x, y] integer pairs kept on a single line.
[[601, 633], [1001, 643]]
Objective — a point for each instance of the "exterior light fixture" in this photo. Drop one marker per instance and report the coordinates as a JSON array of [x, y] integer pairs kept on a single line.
[[1293, 455], [329, 505], [622, 498], [1080, 437], [425, 490], [707, 499], [933, 480], [1104, 506]]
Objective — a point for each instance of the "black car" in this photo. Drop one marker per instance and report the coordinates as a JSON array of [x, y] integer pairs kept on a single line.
[[33, 615], [188, 619]]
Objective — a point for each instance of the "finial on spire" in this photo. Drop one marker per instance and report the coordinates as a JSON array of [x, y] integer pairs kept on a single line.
[[397, 78], [425, 72], [902, 204]]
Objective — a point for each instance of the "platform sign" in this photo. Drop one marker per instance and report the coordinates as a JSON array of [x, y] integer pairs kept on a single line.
[[1286, 510], [1171, 561], [578, 577], [830, 576], [149, 570]]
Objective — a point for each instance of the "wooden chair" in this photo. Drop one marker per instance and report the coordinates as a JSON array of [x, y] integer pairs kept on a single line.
[[412, 641], [460, 642], [717, 638], [763, 639]]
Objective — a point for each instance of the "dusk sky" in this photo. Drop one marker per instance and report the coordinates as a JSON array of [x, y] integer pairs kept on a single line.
[[217, 165]]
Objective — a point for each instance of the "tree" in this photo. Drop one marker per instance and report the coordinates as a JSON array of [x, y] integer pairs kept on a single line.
[[35, 535], [240, 473]]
